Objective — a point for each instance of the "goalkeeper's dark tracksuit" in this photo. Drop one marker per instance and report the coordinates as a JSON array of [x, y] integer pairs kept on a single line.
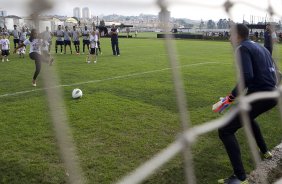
[[259, 75]]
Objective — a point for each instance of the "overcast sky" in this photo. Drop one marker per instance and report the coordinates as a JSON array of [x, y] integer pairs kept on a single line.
[[192, 9]]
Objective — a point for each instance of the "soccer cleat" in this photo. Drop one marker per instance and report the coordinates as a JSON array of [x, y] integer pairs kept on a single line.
[[267, 155], [2, 60], [7, 60], [88, 62], [232, 180], [95, 61], [34, 83]]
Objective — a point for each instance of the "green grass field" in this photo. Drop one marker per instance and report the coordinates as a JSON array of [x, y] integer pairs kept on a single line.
[[128, 113]]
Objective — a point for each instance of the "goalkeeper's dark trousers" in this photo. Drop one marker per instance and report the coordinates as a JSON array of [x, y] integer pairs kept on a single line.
[[227, 135]]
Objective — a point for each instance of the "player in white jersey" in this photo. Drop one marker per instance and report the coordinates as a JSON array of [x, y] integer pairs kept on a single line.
[[75, 38], [47, 36], [60, 39], [86, 41], [45, 51], [5, 47], [22, 37], [23, 34], [35, 53], [98, 42], [67, 39], [4, 32], [93, 47], [16, 35]]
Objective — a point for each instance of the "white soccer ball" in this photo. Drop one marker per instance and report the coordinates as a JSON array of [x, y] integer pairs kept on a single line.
[[76, 93]]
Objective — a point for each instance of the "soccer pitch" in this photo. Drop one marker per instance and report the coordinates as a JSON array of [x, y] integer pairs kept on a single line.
[[127, 113]]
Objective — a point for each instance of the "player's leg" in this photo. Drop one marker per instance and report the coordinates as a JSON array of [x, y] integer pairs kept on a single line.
[[7, 55], [96, 55], [83, 46], [65, 46], [114, 48], [56, 47], [62, 43], [46, 57], [99, 47], [75, 47], [49, 46], [78, 47], [15, 43], [229, 140], [117, 48], [36, 57], [88, 43], [258, 108], [70, 47]]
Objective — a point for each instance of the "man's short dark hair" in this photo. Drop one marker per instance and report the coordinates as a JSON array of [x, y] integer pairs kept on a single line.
[[242, 31]]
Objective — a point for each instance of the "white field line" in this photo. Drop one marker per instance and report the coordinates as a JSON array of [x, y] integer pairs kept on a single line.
[[107, 79]]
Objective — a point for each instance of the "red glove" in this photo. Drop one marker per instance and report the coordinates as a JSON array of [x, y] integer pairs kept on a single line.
[[224, 103]]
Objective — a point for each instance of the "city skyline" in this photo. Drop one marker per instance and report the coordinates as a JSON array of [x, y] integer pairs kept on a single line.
[[179, 9]]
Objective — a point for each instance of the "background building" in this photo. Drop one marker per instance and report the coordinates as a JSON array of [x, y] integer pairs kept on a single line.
[[77, 12], [86, 14], [3, 13]]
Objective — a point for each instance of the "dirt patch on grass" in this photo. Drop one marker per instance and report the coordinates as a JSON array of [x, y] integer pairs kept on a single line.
[[268, 170]]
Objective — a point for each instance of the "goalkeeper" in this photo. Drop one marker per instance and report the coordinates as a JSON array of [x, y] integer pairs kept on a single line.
[[258, 72]]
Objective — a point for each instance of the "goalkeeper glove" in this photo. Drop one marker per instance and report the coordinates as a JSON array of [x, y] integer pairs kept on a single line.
[[221, 105]]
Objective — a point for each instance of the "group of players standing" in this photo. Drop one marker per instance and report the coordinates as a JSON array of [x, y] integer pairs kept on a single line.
[[40, 44], [64, 38]]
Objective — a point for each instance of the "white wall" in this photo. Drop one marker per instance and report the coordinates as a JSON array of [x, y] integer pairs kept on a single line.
[[9, 22]]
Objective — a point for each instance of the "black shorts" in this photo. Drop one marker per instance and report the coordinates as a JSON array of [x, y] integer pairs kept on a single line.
[[76, 42], [5, 53], [16, 41], [67, 42], [93, 51], [38, 57], [59, 42], [86, 42], [35, 56]]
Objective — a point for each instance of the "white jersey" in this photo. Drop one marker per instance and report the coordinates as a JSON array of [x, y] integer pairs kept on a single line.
[[35, 45], [5, 44], [47, 36], [16, 34], [93, 41], [23, 36], [67, 35], [5, 33], [75, 35], [45, 46], [85, 34], [60, 35]]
